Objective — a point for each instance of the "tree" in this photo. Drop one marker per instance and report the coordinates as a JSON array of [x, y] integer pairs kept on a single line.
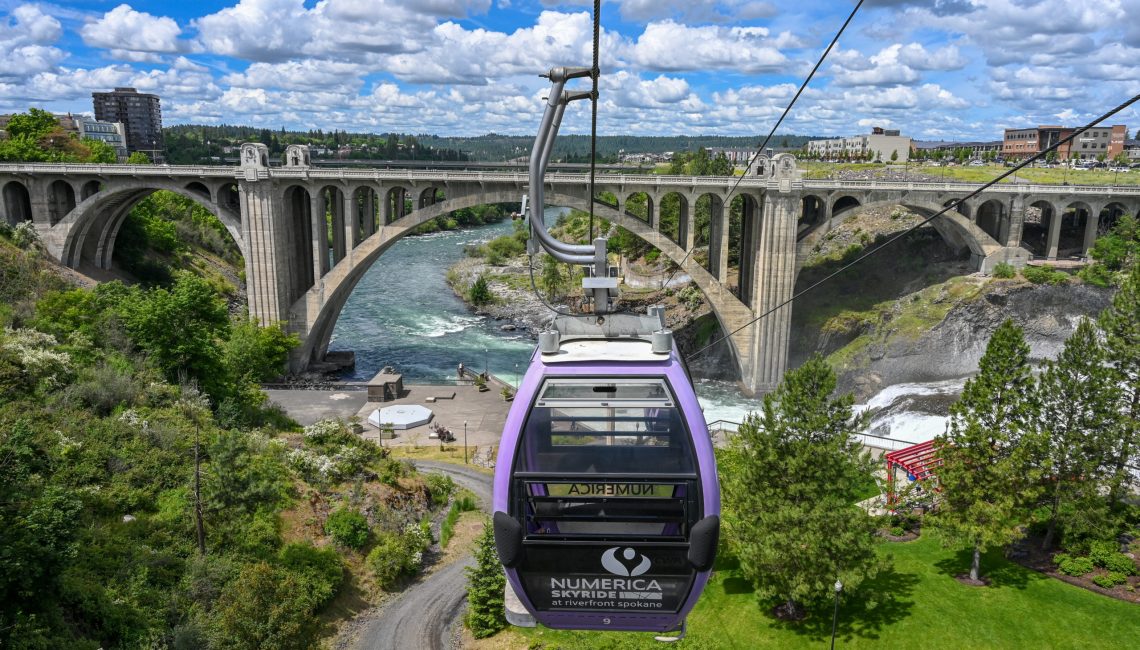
[[101, 152], [1076, 395], [33, 124], [1121, 326], [138, 158], [180, 330], [985, 476], [720, 166], [254, 353], [699, 164], [485, 585], [792, 517], [552, 280], [894, 155]]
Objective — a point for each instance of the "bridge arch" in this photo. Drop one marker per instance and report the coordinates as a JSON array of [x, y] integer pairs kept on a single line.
[[844, 204], [1108, 217], [813, 213], [314, 315], [17, 203], [61, 200], [640, 205], [90, 189], [993, 218], [91, 227], [954, 228], [674, 217], [1073, 224], [200, 189]]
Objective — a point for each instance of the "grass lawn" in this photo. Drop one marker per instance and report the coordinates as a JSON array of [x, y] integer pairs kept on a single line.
[[920, 605]]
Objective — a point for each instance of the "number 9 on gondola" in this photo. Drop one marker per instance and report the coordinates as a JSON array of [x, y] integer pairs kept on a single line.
[[606, 502]]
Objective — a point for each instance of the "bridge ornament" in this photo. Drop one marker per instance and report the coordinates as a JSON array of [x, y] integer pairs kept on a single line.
[[254, 161], [296, 156]]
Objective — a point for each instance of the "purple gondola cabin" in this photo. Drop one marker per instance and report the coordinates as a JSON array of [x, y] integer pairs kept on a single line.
[[606, 501]]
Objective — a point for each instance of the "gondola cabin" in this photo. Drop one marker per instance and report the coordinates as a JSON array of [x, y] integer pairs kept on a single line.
[[606, 498]]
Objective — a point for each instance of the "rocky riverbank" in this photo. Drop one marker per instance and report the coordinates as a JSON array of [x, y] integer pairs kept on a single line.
[[883, 355]]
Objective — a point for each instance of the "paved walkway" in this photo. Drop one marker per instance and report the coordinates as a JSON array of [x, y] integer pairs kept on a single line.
[[485, 412]]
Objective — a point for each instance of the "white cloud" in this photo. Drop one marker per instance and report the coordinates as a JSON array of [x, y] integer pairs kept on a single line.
[[671, 46], [27, 40], [125, 30]]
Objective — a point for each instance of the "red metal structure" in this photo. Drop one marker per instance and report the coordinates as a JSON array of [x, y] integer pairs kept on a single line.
[[918, 461]]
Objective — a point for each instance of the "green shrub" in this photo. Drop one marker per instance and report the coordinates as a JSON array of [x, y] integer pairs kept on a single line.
[[1104, 554], [1110, 580], [348, 528], [320, 568], [1004, 270], [480, 291], [397, 555], [440, 486], [1061, 557], [1076, 566], [898, 531], [1044, 275]]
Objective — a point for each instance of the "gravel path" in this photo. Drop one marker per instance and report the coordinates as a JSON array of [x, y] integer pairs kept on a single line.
[[424, 615]]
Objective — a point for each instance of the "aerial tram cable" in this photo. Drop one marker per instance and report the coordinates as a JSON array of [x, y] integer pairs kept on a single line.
[[803, 86], [954, 206], [760, 149]]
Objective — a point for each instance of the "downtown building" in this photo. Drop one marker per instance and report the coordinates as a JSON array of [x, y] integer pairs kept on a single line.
[[141, 116], [1108, 141], [85, 127], [881, 143]]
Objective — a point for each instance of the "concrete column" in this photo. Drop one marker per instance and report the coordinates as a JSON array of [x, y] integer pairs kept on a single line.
[[653, 212], [750, 256], [401, 203], [687, 230], [1090, 230], [775, 277], [1011, 231], [351, 218], [337, 210], [265, 265], [320, 238], [1054, 234], [718, 240], [369, 212]]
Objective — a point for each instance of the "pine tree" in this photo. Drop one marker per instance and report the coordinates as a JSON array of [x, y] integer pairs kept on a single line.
[[1076, 397], [485, 585], [1121, 325], [792, 517], [986, 476]]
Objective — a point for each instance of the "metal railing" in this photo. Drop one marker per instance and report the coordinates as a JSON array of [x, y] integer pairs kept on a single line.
[[721, 427]]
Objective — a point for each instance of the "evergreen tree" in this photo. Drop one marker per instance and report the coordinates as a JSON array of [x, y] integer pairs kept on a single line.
[[985, 475], [485, 585], [1076, 395], [1121, 325], [792, 517]]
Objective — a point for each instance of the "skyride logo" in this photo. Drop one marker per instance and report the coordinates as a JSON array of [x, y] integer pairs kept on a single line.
[[627, 592]]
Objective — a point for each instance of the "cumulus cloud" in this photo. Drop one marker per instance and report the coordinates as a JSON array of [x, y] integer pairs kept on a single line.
[[672, 46], [125, 30], [27, 38]]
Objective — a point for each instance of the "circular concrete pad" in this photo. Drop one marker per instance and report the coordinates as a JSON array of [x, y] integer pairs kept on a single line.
[[401, 416]]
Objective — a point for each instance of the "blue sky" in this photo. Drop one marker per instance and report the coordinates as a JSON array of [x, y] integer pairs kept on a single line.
[[936, 69]]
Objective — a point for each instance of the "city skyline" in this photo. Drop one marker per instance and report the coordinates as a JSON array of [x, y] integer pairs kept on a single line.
[[942, 70]]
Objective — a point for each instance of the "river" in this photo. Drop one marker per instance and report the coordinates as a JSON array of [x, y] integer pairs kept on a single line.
[[403, 314]]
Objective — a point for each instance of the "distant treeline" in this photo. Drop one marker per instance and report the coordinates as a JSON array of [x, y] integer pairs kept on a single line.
[[188, 144]]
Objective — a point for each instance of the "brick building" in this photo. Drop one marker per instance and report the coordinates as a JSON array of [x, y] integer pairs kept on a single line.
[[1022, 143]]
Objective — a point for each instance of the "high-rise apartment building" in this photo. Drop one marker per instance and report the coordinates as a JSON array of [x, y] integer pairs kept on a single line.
[[141, 116]]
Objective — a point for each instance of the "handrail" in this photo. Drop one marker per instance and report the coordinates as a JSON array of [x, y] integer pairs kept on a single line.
[[521, 178]]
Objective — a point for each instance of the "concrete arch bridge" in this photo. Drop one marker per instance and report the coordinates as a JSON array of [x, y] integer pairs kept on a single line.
[[308, 235]]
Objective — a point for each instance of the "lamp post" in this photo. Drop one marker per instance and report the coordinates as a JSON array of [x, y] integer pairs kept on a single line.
[[486, 371], [835, 617], [465, 442], [517, 378]]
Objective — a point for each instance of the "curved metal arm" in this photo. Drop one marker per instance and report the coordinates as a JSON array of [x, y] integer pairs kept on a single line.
[[540, 159]]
